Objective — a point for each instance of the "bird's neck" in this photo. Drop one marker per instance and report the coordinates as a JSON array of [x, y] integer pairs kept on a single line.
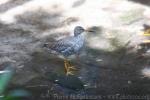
[[80, 35]]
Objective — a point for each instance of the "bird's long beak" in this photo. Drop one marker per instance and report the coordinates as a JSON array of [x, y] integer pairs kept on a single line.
[[88, 30]]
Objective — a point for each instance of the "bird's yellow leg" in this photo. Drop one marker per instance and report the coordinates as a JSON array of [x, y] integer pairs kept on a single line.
[[66, 65], [68, 68], [71, 67]]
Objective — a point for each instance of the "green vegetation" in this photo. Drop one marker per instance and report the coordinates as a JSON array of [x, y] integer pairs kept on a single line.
[[5, 78]]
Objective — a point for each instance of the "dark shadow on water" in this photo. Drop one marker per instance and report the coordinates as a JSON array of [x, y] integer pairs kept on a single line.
[[145, 2], [40, 20], [12, 4], [122, 73]]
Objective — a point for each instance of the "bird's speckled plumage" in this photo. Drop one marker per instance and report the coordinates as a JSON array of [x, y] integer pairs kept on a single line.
[[70, 45]]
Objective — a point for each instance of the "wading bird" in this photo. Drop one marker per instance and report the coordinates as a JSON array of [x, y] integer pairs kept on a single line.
[[69, 46]]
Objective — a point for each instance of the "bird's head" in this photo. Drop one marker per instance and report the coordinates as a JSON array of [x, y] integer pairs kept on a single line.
[[78, 30]]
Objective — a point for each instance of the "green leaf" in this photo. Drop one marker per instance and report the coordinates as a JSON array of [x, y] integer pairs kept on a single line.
[[5, 78]]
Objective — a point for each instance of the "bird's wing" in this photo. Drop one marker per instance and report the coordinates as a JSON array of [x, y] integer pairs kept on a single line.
[[63, 44]]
